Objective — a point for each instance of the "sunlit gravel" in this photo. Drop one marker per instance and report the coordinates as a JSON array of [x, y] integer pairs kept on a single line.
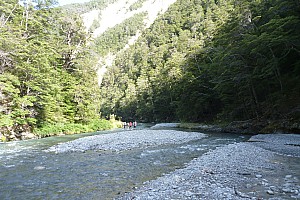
[[126, 140]]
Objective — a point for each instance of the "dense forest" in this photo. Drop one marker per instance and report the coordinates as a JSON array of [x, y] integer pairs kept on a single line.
[[48, 83], [210, 61]]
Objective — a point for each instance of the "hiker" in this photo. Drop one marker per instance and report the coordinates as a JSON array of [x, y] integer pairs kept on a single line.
[[124, 125], [134, 124], [130, 125]]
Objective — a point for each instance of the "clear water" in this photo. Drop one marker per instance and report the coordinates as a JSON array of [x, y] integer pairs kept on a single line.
[[29, 172]]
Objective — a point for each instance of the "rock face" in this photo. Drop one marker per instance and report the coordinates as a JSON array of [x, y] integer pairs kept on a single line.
[[28, 135], [20, 133]]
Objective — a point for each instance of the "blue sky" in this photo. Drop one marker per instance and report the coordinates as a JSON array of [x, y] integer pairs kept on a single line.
[[64, 2]]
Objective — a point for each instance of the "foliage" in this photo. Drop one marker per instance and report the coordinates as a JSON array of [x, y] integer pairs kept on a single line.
[[99, 125], [210, 60], [71, 128], [200, 61], [86, 7], [136, 5], [114, 39], [46, 71]]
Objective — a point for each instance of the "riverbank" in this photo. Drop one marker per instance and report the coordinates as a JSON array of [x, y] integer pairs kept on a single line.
[[247, 170], [247, 127], [59, 129], [264, 167]]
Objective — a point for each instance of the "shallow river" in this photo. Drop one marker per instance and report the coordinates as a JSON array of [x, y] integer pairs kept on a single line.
[[27, 171]]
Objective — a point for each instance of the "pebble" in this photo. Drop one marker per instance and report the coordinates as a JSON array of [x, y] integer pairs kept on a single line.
[[127, 140], [226, 181], [270, 192], [286, 190], [285, 144], [214, 175], [39, 167], [258, 176]]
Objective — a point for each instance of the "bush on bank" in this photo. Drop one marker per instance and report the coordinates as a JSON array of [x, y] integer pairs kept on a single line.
[[72, 128]]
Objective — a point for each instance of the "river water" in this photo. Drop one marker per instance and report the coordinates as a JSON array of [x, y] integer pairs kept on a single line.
[[27, 171]]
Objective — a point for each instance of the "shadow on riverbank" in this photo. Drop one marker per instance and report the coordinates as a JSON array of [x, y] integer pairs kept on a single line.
[[247, 127]]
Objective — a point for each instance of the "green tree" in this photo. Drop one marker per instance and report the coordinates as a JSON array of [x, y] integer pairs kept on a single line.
[[47, 73]]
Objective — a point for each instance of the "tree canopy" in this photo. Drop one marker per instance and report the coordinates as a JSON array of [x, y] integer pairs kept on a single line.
[[201, 61], [211, 60], [47, 71]]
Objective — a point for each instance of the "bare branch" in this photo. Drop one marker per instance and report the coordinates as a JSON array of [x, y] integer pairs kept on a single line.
[[9, 16]]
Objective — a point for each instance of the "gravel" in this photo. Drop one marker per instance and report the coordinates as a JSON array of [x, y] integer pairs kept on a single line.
[[214, 175], [285, 144], [126, 140], [165, 125], [258, 169], [236, 171]]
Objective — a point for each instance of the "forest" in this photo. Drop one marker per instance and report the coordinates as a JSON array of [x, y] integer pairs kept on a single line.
[[48, 83], [212, 62], [207, 61]]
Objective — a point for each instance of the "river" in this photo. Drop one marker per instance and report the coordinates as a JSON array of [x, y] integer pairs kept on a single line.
[[30, 172]]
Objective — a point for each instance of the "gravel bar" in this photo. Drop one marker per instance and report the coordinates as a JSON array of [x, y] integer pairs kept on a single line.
[[265, 167], [126, 140], [165, 125], [285, 144], [236, 171]]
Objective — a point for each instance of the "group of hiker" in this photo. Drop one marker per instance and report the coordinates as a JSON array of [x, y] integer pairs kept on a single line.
[[129, 125]]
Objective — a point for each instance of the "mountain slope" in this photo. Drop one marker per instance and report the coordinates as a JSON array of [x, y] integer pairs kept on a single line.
[[211, 60], [101, 21]]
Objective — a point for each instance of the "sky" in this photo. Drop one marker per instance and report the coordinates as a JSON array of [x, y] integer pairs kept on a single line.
[[64, 2]]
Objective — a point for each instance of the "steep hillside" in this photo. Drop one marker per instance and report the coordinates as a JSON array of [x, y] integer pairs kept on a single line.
[[156, 60], [48, 83], [206, 61], [49, 58], [117, 25]]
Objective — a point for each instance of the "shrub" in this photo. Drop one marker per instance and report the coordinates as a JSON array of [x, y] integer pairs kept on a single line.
[[71, 128]]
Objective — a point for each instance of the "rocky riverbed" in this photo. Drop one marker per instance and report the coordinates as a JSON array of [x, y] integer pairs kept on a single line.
[[236, 171], [126, 140], [264, 167]]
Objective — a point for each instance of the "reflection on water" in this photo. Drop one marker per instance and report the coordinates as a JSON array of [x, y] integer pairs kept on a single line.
[[28, 172]]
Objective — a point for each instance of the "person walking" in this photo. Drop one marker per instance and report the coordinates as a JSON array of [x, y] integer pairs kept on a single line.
[[130, 125]]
